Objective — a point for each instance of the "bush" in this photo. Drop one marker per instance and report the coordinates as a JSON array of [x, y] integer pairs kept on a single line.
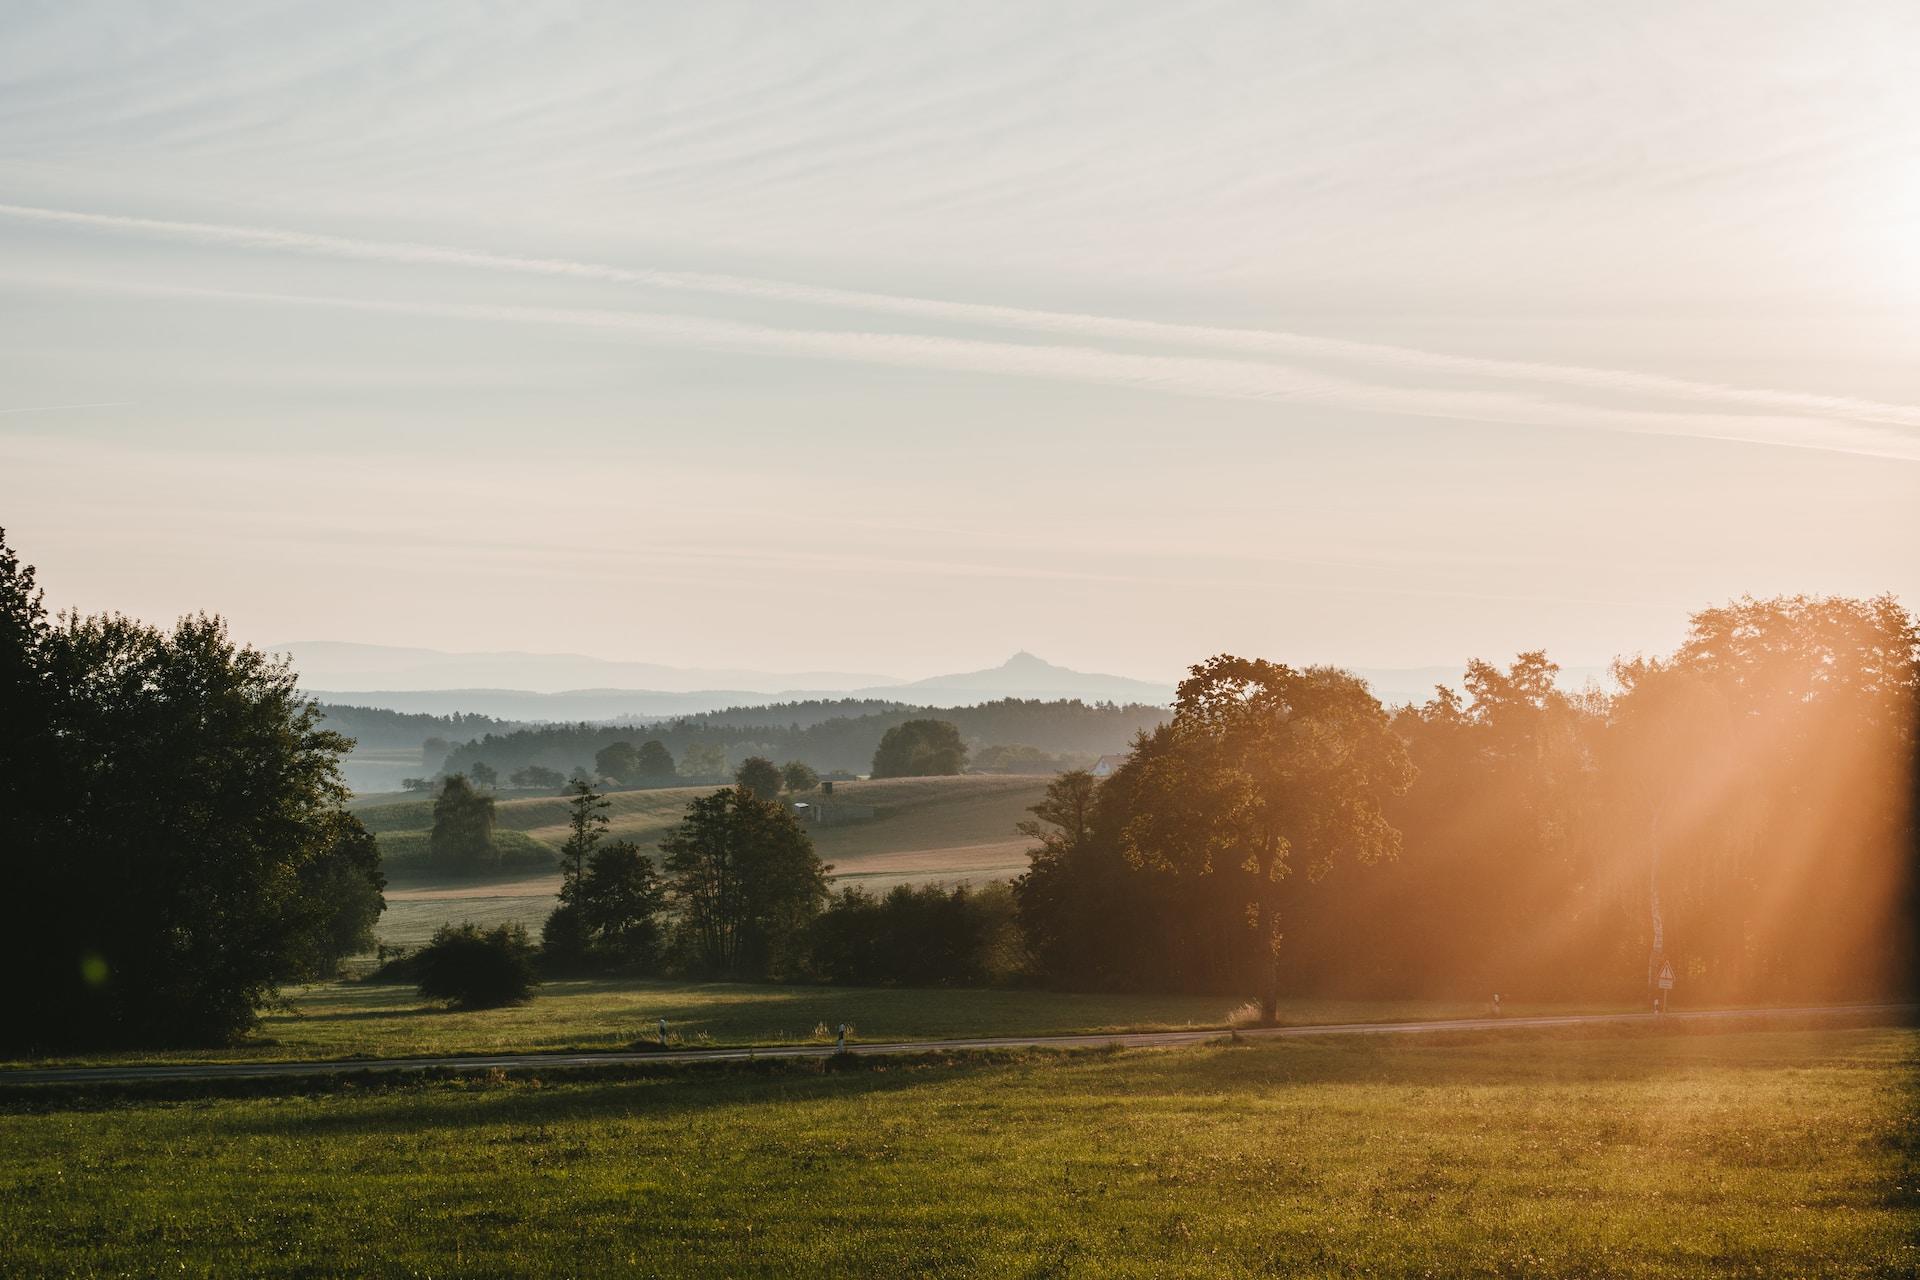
[[474, 968], [925, 937]]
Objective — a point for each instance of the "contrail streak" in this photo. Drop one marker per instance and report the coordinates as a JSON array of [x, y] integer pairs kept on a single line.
[[1179, 375], [1251, 341]]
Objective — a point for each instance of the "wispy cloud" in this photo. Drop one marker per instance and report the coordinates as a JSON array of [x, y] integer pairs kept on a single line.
[[1259, 342], [60, 408], [1179, 375]]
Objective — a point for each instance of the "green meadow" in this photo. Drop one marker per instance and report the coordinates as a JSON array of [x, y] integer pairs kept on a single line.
[[1652, 1152]]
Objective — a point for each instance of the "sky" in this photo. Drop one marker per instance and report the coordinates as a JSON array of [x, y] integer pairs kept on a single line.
[[895, 337]]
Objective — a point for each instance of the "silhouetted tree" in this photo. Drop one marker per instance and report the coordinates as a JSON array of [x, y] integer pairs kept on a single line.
[[621, 899], [536, 777], [339, 903], [799, 776], [926, 936], [760, 776], [474, 968], [484, 774], [746, 880], [619, 761], [920, 748], [586, 826], [656, 762], [172, 834], [462, 835]]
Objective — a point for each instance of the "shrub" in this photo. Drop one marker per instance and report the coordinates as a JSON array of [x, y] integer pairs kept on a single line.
[[930, 936], [474, 968]]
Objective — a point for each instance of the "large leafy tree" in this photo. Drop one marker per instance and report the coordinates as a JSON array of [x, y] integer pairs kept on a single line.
[[621, 899], [1267, 775], [463, 818], [656, 762], [920, 748], [1758, 782], [619, 761], [747, 881], [760, 776], [182, 847]]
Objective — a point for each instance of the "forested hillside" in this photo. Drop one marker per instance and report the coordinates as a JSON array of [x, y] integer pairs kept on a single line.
[[801, 732], [376, 728]]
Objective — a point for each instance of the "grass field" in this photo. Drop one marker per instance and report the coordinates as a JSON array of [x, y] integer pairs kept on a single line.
[[922, 830], [342, 1019], [1750, 1153]]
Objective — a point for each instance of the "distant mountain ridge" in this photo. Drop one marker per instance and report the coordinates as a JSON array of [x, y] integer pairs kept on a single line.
[[532, 688], [339, 664], [1023, 676]]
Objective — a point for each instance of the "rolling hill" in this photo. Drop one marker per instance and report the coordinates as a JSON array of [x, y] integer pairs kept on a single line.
[[893, 831]]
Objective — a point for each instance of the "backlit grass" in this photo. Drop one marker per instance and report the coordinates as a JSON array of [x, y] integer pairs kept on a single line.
[[342, 1019], [1759, 1153]]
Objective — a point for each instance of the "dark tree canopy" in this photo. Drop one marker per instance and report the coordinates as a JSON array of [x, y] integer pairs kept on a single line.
[[747, 882], [340, 902], [474, 968], [621, 900], [174, 842], [760, 776], [462, 836], [538, 777], [619, 761], [799, 775], [930, 936], [920, 748], [656, 762]]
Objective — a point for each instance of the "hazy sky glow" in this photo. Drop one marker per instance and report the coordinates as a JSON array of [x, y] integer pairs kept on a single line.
[[895, 337]]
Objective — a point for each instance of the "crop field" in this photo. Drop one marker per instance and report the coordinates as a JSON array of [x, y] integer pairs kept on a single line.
[[1655, 1152], [345, 1019], [894, 831]]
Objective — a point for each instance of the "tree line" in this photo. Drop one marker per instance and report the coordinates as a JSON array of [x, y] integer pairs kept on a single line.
[[175, 846], [836, 743], [1285, 832], [382, 728]]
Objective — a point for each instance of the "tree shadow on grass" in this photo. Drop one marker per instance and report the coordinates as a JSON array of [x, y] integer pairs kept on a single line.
[[534, 1097]]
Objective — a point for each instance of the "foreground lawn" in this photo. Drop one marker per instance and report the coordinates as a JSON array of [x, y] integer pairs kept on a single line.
[[355, 1019], [1521, 1153]]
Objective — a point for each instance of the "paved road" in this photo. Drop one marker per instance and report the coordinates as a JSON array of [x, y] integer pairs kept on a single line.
[[1139, 1039]]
